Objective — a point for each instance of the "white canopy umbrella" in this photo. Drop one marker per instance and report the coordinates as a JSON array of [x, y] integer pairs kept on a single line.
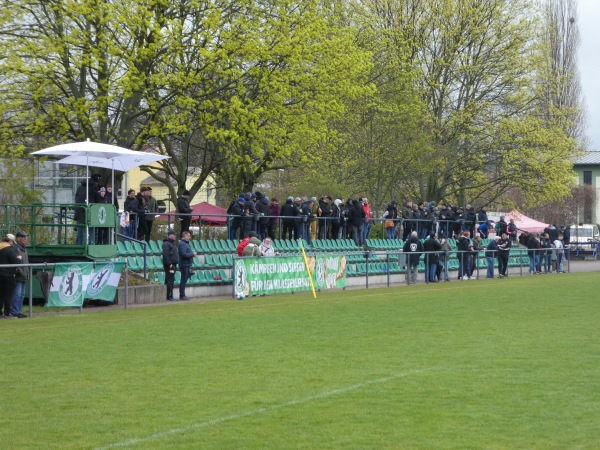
[[95, 154], [122, 162]]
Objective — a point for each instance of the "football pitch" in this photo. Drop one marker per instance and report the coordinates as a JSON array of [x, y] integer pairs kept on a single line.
[[495, 364]]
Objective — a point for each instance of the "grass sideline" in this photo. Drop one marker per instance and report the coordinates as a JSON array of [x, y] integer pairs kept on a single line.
[[497, 364]]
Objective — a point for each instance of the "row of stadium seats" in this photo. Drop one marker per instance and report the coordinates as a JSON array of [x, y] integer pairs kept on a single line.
[[380, 268], [199, 278], [154, 262], [218, 246]]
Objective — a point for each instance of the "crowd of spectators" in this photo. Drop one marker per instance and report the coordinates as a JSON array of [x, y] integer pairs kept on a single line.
[[327, 218], [300, 217]]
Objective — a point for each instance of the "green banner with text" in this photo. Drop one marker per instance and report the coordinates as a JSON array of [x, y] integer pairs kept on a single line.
[[258, 276]]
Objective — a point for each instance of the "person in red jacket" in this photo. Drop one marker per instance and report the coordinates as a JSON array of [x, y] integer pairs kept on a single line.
[[244, 242], [368, 218]]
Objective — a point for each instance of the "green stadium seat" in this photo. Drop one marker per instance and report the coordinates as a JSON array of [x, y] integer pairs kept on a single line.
[[201, 277], [233, 245], [155, 247], [121, 250], [129, 248], [151, 264], [226, 279], [197, 263], [211, 246], [195, 244], [229, 260], [134, 264], [204, 248], [212, 275], [158, 262], [209, 261], [218, 246]]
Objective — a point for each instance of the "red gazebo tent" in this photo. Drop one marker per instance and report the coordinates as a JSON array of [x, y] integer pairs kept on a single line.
[[525, 223], [209, 214]]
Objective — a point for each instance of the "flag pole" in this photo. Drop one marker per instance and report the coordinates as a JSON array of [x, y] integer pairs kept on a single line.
[[312, 285]]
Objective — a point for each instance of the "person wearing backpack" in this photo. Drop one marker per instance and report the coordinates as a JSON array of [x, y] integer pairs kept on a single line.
[[244, 243]]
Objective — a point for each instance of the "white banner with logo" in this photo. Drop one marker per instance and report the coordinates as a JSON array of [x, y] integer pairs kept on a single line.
[[74, 282]]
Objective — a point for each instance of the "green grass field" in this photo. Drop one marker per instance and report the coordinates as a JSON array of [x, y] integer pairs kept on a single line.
[[496, 364]]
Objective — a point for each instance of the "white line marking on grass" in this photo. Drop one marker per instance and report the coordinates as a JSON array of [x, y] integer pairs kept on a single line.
[[220, 420]]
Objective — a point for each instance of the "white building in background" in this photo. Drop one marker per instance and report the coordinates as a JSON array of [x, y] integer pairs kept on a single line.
[[587, 168]]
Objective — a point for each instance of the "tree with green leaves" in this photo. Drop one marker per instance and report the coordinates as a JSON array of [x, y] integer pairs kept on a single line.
[[232, 87], [476, 66]]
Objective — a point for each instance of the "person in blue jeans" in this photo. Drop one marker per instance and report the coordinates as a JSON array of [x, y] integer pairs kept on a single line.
[[186, 260], [533, 245], [22, 275], [491, 252], [432, 248]]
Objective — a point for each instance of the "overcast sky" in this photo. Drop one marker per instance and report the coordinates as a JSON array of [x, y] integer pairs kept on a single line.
[[589, 66]]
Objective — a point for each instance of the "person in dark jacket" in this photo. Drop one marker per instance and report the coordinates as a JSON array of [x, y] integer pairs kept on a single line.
[[356, 218], [8, 255], [137, 215], [484, 229], [482, 216], [470, 219], [274, 213], [432, 248], [391, 214], [421, 222], [501, 226], [112, 196], [129, 220], [413, 248], [151, 210], [237, 211], [87, 193], [170, 259], [186, 259], [491, 253], [262, 207], [533, 251], [336, 219], [250, 220], [325, 205], [407, 224], [20, 248], [545, 254], [511, 230], [102, 232], [184, 211], [288, 213], [465, 249], [307, 215], [504, 245]]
